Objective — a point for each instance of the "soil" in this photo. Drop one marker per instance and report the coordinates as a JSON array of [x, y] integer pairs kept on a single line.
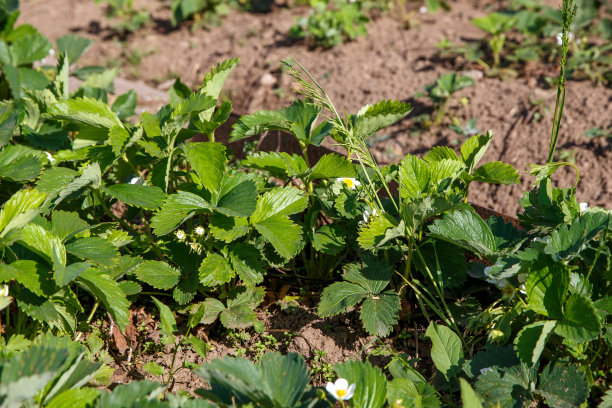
[[390, 63]]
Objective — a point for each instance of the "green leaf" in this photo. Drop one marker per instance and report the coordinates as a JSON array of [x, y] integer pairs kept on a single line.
[[19, 163], [149, 197], [531, 341], [228, 229], [208, 161], [284, 378], [271, 219], [569, 240], [276, 163], [95, 249], [379, 116], [21, 380], [66, 274], [19, 210], [85, 111], [176, 209], [509, 387], [438, 153], [547, 285], [32, 275], [43, 243], [109, 293], [474, 148], [237, 196], [495, 23], [469, 397], [414, 177], [467, 230], [332, 166], [416, 212], [401, 392], [125, 104], [370, 383], [564, 386], [496, 173], [238, 317], [338, 297], [158, 274], [374, 233], [90, 175], [279, 201], [380, 313], [246, 261], [214, 80], [580, 320], [198, 345], [282, 233], [168, 323], [73, 46], [212, 308], [66, 225], [153, 368], [215, 270], [446, 350], [75, 398], [330, 239]]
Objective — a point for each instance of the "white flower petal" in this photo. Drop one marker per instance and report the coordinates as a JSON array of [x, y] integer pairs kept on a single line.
[[341, 384], [331, 388], [583, 207], [423, 10], [350, 391]]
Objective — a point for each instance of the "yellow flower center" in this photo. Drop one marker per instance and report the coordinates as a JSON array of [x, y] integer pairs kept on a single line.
[[341, 393], [350, 183]]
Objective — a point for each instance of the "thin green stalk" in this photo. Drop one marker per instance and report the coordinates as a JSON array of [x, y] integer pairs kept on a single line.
[[568, 12]]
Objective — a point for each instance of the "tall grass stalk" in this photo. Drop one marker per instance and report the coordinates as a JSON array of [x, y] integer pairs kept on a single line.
[[568, 12]]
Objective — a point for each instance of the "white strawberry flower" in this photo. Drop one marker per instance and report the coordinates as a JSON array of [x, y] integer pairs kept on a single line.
[[180, 234], [199, 230], [583, 207], [349, 182], [4, 290], [341, 390], [423, 10], [50, 157]]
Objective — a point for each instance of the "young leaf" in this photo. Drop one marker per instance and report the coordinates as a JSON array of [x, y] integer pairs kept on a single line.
[[374, 233], [153, 368], [168, 323], [19, 210], [446, 350], [379, 116], [474, 148]]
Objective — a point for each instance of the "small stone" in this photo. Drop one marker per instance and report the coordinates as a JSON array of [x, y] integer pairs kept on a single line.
[[473, 73], [268, 79]]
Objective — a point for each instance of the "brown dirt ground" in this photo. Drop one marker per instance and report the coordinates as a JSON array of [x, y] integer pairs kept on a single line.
[[390, 63]]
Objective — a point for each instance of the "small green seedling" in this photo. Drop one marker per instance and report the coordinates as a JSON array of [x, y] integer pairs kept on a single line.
[[441, 91], [496, 25]]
